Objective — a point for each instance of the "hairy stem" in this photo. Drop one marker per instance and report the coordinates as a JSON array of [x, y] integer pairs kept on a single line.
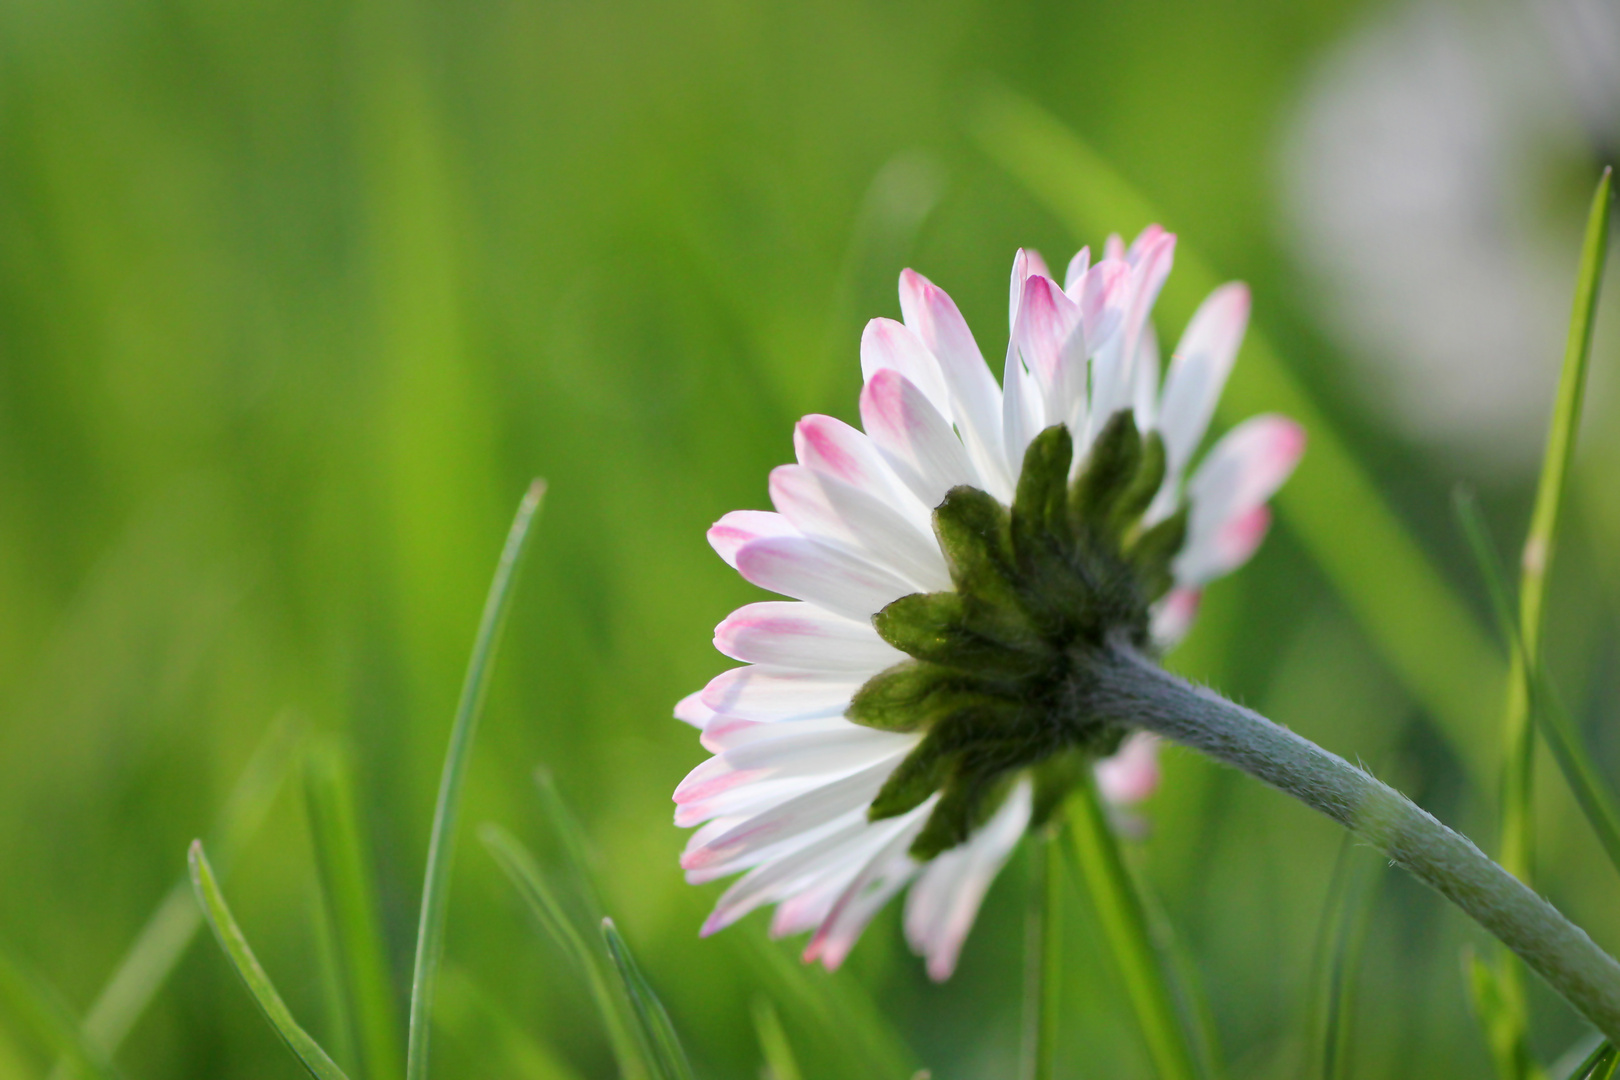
[[1130, 688]]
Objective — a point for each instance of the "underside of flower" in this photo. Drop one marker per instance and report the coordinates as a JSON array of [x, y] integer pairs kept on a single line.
[[957, 569], [999, 673]]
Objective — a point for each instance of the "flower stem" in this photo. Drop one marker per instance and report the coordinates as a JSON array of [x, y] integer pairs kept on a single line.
[[1129, 688], [1043, 957], [1124, 920]]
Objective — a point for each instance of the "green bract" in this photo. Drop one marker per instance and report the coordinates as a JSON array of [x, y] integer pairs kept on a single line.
[[998, 676]]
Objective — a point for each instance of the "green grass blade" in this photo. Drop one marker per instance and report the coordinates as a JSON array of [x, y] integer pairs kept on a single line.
[[524, 873], [780, 1063], [1183, 976], [1342, 940], [576, 847], [1518, 732], [365, 987], [38, 1006], [650, 1013], [169, 931], [1600, 1065], [1500, 1017], [1585, 780], [1043, 957], [1417, 623], [306, 1049], [849, 1023], [475, 1018], [1124, 922], [442, 841]]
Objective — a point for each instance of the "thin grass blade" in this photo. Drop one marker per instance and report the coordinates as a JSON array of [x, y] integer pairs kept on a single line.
[[849, 1023], [520, 868], [1124, 922], [650, 1013], [1043, 957], [442, 841], [39, 1008], [1585, 780], [1344, 924], [1600, 1065], [475, 1018], [1420, 627], [253, 976], [780, 1063], [175, 922], [1518, 731], [351, 908], [579, 860]]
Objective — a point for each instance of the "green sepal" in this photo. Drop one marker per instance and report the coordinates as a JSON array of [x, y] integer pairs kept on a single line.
[[913, 780], [1040, 518], [1110, 468], [1138, 494], [975, 534], [1154, 551], [937, 627], [908, 696], [1054, 778], [968, 800]]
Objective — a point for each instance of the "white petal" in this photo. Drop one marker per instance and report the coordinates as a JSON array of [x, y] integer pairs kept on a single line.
[[1198, 371], [1025, 263], [885, 874], [1132, 772], [833, 448], [730, 733], [827, 509], [915, 440], [838, 855], [730, 533], [767, 694], [975, 397], [887, 345], [1021, 410], [1145, 398], [1053, 344], [829, 578], [812, 809], [803, 637], [1077, 270], [1173, 616], [1243, 470], [1106, 293], [1218, 549], [943, 905], [691, 710]]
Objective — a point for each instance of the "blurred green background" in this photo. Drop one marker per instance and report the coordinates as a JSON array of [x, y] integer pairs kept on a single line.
[[295, 298]]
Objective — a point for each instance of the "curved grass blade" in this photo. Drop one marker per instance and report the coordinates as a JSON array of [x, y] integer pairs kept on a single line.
[[650, 1014], [175, 922], [1340, 944], [306, 1049], [1518, 732], [773, 1043], [1600, 1065], [477, 1019], [576, 847], [41, 1009], [1569, 749], [442, 841], [849, 1022], [1124, 921], [1420, 627], [1043, 956], [364, 986], [524, 873]]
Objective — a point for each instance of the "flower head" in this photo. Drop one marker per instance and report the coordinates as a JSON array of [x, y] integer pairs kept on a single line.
[[921, 702]]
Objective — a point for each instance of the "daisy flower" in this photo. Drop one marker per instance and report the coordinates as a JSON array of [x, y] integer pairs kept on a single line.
[[908, 715]]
